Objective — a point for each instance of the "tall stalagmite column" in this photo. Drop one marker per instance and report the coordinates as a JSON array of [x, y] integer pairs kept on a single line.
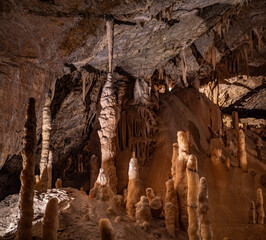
[[235, 120], [46, 129], [109, 118], [180, 179], [193, 198], [134, 188], [205, 222], [50, 220], [242, 155], [27, 176]]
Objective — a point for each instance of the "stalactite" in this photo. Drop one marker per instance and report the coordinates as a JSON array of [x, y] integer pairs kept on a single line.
[[50, 220], [242, 155], [205, 223], [259, 38], [46, 129], [252, 213], [184, 68], [245, 54], [251, 47], [193, 198], [213, 56], [109, 118], [27, 176], [259, 207], [49, 169]]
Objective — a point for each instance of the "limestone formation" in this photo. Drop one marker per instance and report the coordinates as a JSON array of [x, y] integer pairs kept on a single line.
[[135, 188], [108, 119], [174, 159], [156, 206], [171, 196], [235, 120], [180, 180], [252, 213], [242, 155], [58, 183], [50, 220], [49, 169], [101, 190], [143, 212], [193, 198], [46, 129], [216, 154], [227, 162], [170, 218], [37, 183], [27, 176], [259, 207], [205, 222], [106, 229], [94, 169], [150, 194]]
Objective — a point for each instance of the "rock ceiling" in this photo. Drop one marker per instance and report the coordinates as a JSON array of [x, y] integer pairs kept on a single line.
[[42, 40]]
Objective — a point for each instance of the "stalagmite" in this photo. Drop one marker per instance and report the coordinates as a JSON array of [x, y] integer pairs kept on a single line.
[[46, 128], [101, 190], [174, 160], [259, 146], [242, 155], [37, 183], [216, 154], [252, 213], [259, 207], [170, 196], [193, 198], [143, 212], [27, 176], [150, 194], [109, 118], [170, 218], [235, 120], [106, 230], [49, 169], [227, 162], [135, 188], [50, 220], [180, 180], [205, 223], [58, 183], [156, 206]]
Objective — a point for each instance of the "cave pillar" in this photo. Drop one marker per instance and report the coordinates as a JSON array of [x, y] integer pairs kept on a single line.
[[109, 118]]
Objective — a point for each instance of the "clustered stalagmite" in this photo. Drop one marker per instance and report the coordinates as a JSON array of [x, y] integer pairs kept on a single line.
[[186, 202]]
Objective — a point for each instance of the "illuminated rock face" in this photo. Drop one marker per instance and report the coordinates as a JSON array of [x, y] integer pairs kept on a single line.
[[193, 198]]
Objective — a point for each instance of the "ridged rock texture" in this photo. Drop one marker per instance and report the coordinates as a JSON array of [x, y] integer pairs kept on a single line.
[[193, 198], [27, 175], [205, 222], [45, 158]]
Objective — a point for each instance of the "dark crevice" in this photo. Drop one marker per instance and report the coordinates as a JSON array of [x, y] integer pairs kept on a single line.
[[243, 112]]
